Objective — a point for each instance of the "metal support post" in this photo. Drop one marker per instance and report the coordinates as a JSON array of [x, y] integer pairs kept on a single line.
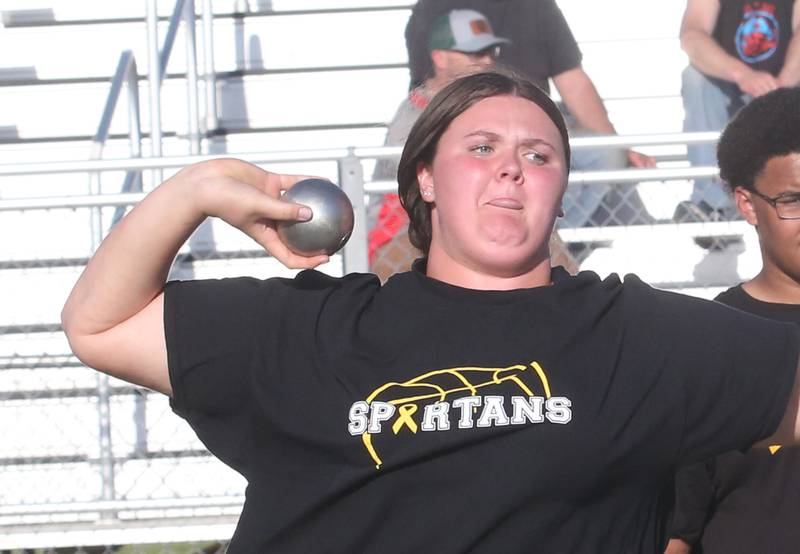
[[208, 67], [134, 122], [191, 78], [140, 422], [154, 73], [106, 450], [351, 179]]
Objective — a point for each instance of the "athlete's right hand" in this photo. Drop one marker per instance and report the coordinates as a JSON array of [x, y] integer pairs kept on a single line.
[[248, 198]]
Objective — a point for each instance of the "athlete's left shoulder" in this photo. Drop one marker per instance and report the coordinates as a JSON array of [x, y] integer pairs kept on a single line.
[[315, 279]]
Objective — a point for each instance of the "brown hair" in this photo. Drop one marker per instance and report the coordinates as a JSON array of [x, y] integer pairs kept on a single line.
[[449, 103]]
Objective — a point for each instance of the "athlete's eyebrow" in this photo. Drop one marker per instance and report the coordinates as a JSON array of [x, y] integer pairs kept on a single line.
[[494, 137], [489, 135]]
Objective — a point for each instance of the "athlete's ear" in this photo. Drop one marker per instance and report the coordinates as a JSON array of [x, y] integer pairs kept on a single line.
[[744, 203], [425, 180]]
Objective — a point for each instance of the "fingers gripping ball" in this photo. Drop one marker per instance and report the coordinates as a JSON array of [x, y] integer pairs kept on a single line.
[[330, 225]]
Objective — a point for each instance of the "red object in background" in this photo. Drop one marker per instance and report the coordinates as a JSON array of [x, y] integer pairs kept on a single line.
[[391, 219]]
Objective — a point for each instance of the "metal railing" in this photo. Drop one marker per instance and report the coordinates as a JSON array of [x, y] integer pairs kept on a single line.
[[353, 182], [183, 12], [126, 75]]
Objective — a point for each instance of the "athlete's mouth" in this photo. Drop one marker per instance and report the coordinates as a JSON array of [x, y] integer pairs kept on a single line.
[[507, 203]]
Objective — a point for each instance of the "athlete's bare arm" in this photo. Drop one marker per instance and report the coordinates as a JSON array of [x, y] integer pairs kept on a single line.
[[113, 317]]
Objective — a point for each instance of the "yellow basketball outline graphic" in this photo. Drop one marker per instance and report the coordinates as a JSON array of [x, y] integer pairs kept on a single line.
[[407, 406]]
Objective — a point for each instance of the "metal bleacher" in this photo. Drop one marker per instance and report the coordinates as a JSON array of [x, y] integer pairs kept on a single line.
[[302, 86]]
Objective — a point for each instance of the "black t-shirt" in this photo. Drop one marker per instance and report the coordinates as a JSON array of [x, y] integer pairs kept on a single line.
[[743, 502], [542, 42], [757, 33], [424, 417]]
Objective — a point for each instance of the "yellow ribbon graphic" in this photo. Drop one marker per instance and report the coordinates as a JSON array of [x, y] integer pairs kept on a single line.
[[404, 414]]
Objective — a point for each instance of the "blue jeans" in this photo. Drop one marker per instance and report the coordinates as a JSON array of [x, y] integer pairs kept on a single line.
[[601, 203], [708, 105], [582, 201]]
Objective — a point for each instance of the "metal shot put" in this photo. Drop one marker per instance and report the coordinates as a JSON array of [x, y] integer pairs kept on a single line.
[[330, 225]]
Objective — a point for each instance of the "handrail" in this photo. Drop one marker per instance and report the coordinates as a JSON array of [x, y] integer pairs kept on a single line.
[[127, 74], [119, 505], [108, 200], [46, 168], [330, 154], [350, 176], [615, 141], [33, 21], [585, 142], [169, 39], [159, 59]]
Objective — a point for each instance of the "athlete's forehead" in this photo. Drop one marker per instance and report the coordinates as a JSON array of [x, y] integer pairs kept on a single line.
[[498, 116]]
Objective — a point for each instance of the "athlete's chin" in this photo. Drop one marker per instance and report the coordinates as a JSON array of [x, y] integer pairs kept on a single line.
[[516, 240], [510, 260], [507, 236]]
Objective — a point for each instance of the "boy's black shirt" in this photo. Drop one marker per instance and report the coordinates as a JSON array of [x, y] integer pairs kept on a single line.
[[743, 502]]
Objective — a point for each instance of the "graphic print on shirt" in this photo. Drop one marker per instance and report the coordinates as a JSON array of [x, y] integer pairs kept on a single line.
[[460, 398], [758, 34]]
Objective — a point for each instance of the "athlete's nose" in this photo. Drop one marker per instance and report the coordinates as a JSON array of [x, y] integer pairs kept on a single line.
[[510, 168]]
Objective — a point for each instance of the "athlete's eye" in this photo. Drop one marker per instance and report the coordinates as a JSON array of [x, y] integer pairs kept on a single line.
[[482, 149], [536, 157]]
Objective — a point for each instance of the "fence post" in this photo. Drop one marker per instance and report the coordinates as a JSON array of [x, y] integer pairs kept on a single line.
[[106, 449], [351, 179], [154, 78], [208, 66], [191, 78]]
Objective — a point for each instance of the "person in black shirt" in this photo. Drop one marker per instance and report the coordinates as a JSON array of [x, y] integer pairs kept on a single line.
[[738, 50], [742, 502], [543, 48], [482, 402]]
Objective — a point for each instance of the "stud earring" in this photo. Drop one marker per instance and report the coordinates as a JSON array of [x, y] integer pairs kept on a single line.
[[426, 193]]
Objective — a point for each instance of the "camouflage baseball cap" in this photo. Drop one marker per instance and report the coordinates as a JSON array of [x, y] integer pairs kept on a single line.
[[464, 31]]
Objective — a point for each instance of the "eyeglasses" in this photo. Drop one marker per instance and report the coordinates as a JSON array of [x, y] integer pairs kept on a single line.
[[786, 204], [493, 52]]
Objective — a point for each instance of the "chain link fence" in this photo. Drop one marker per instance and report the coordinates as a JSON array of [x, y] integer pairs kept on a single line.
[[89, 463]]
